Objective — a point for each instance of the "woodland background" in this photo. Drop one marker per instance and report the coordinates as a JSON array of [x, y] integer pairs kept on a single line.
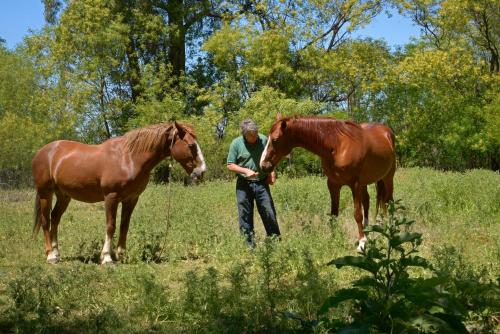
[[99, 68]]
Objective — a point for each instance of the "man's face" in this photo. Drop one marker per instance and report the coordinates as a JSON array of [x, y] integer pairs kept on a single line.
[[251, 137]]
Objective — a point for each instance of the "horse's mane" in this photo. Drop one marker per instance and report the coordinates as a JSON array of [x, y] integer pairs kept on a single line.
[[317, 129], [151, 138]]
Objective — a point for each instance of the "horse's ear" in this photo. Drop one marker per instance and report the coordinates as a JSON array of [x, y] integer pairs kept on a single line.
[[180, 129], [279, 116]]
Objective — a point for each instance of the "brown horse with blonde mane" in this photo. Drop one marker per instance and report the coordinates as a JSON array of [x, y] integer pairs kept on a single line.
[[351, 154], [116, 171]]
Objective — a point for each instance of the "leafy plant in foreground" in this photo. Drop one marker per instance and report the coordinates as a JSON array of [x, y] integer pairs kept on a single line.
[[389, 300]]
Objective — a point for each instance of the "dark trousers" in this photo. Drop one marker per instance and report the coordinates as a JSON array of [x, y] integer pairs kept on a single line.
[[246, 193]]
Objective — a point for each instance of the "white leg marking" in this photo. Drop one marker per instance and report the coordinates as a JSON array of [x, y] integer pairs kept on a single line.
[[361, 244], [106, 251], [263, 156], [53, 256]]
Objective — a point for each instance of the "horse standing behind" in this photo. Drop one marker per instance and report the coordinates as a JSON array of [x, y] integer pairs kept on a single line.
[[116, 171], [351, 154]]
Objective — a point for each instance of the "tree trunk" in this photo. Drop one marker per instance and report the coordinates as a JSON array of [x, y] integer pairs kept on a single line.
[[134, 72], [177, 47], [102, 105]]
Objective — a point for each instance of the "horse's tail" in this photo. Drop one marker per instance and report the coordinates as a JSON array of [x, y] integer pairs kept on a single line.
[[37, 215]]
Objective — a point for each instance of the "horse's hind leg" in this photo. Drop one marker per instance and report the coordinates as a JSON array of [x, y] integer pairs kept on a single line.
[[61, 205], [385, 189], [380, 199], [127, 209], [366, 206], [389, 189], [44, 206]]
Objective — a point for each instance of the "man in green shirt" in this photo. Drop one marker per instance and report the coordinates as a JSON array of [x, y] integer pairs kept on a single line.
[[252, 183]]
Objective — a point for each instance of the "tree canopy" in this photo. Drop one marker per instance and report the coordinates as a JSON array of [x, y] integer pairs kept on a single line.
[[101, 67]]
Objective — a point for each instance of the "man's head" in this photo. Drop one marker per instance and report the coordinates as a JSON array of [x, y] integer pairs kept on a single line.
[[249, 130]]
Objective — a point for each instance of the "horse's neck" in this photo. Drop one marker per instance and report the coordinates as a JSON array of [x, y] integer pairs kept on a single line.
[[163, 151], [149, 160], [309, 139]]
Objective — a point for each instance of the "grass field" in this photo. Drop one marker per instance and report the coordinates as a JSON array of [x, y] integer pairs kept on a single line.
[[188, 270]]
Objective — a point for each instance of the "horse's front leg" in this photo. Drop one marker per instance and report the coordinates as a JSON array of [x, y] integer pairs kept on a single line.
[[127, 209], [357, 196], [334, 196], [111, 205]]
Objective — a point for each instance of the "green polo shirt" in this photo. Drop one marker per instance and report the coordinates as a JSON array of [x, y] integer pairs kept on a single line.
[[247, 155]]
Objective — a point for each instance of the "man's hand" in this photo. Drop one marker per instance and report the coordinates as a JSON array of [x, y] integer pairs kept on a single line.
[[250, 174]]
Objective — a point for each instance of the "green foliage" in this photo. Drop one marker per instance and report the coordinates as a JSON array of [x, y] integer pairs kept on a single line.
[[389, 299], [435, 125], [17, 153], [101, 67], [264, 105], [24, 124], [471, 286], [160, 102], [17, 81]]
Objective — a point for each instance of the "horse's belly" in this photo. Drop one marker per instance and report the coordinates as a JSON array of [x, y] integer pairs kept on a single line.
[[375, 170], [89, 193], [370, 171]]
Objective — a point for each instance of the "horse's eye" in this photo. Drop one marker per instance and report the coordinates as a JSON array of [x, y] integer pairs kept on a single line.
[[193, 147]]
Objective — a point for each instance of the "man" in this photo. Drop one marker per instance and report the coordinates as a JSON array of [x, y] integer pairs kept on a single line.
[[252, 183]]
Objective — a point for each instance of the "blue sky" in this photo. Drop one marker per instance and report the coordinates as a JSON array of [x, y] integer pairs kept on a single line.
[[17, 17]]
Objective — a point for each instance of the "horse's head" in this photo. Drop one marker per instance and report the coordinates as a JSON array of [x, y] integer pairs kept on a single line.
[[187, 152], [278, 145]]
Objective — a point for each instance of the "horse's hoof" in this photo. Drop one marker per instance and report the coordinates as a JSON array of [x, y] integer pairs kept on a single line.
[[120, 254], [107, 264], [106, 259], [362, 245], [53, 257]]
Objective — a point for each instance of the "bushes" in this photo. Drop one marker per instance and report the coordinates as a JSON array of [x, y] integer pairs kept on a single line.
[[447, 295], [389, 300]]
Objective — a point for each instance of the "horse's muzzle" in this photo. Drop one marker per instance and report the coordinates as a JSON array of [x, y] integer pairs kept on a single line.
[[266, 166], [197, 175]]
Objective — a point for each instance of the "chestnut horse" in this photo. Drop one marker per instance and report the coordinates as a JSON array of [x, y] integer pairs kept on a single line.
[[351, 154], [115, 171]]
